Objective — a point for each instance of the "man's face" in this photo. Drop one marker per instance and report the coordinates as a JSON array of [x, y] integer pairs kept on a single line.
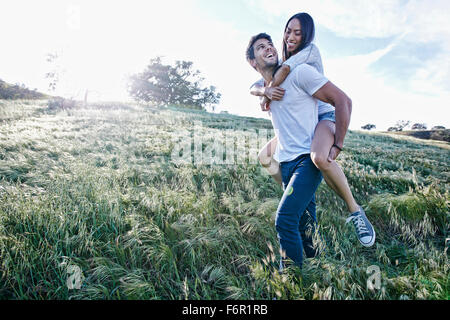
[[266, 55]]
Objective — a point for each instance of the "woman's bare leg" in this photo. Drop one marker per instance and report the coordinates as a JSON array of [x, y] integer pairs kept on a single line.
[[332, 173], [266, 159]]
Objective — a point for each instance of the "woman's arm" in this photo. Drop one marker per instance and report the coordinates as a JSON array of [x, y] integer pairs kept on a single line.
[[267, 94], [309, 55], [272, 93], [257, 90], [280, 75]]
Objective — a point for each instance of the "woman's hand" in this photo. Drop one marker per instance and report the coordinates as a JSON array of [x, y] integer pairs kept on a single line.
[[265, 104], [275, 93]]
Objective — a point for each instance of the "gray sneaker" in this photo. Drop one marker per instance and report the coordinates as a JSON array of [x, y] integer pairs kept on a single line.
[[364, 229]]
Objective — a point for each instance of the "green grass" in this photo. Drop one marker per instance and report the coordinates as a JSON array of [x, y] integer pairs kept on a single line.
[[95, 188]]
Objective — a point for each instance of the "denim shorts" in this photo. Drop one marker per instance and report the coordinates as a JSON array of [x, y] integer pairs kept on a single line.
[[328, 116]]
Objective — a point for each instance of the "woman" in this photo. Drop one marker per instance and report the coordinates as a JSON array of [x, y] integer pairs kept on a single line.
[[298, 48]]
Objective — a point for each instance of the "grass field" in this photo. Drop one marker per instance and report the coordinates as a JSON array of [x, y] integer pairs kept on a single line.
[[92, 206]]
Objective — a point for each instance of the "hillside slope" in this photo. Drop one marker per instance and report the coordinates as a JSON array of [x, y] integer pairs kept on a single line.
[[440, 135], [127, 195], [16, 91]]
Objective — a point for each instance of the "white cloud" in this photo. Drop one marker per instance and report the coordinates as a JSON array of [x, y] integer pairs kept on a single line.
[[376, 101], [377, 18]]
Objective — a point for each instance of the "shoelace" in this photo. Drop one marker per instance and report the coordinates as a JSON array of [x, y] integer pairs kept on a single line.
[[359, 223]]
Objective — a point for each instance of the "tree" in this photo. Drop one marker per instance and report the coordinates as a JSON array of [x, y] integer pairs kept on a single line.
[[178, 84], [399, 126], [368, 126], [419, 126], [438, 128], [54, 74]]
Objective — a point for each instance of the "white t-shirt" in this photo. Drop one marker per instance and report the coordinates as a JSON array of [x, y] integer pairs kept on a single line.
[[294, 118], [310, 55]]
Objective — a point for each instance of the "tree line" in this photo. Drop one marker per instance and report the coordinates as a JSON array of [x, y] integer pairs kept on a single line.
[[402, 124]]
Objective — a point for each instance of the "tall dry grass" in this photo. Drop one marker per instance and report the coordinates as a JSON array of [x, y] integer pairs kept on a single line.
[[95, 188]]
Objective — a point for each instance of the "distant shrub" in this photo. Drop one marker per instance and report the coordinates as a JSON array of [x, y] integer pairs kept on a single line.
[[59, 103], [400, 125], [419, 126], [438, 128], [368, 126], [187, 106], [109, 106]]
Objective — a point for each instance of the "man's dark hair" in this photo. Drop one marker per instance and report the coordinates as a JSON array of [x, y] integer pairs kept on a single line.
[[250, 53], [308, 31]]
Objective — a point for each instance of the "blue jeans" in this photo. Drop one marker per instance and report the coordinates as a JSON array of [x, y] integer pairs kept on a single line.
[[296, 211]]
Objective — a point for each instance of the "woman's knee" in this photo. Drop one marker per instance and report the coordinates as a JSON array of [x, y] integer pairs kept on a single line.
[[266, 153], [320, 160], [264, 158]]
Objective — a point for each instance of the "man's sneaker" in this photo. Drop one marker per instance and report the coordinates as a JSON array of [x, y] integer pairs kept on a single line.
[[364, 229]]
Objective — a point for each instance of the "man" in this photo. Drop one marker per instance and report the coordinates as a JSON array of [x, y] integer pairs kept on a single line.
[[294, 119]]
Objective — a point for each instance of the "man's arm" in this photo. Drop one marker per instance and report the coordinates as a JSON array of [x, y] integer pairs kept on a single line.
[[331, 94]]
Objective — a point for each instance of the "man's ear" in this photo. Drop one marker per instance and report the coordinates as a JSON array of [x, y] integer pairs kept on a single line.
[[252, 63]]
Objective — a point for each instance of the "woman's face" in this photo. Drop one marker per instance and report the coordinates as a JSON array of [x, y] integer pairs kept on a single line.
[[293, 35]]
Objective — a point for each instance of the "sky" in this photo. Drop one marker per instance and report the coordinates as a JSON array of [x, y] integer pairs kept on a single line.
[[391, 57]]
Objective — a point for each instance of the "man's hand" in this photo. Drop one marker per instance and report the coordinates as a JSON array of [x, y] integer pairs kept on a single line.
[[265, 104], [275, 93], [334, 152]]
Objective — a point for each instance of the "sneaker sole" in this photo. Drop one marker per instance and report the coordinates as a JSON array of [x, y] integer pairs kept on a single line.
[[367, 245]]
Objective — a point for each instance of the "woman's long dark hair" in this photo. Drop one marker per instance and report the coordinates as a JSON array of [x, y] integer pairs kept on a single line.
[[308, 31]]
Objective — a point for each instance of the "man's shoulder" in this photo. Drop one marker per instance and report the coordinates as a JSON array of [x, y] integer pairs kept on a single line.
[[304, 68], [304, 73], [260, 82], [308, 78]]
